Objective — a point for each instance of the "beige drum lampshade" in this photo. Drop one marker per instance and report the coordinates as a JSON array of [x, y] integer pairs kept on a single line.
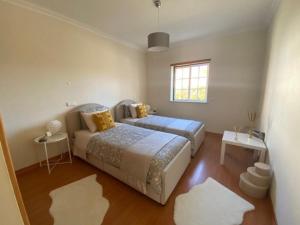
[[158, 41]]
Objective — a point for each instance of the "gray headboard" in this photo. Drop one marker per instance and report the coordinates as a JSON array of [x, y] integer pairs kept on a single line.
[[74, 120], [119, 109]]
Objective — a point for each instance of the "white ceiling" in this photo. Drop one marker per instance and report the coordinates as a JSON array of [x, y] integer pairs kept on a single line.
[[132, 20]]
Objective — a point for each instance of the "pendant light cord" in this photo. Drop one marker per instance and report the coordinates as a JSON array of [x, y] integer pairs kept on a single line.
[[158, 19]]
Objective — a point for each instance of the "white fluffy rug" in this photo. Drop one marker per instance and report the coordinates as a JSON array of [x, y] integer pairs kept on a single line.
[[210, 203], [79, 203]]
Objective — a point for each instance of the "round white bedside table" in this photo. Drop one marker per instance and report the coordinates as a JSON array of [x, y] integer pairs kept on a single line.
[[53, 139]]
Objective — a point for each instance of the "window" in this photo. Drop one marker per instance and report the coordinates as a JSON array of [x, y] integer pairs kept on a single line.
[[189, 81]]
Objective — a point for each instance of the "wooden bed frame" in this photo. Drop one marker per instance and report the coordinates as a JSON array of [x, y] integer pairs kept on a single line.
[[171, 174], [198, 137]]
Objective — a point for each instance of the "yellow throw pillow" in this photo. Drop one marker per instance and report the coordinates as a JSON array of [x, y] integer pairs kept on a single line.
[[103, 120], [141, 111]]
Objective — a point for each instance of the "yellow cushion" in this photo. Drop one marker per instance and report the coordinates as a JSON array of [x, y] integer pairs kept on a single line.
[[141, 111], [103, 120]]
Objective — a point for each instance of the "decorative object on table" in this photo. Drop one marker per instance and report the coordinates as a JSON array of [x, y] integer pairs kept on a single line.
[[243, 141], [259, 134], [158, 41], [210, 203], [236, 131], [54, 126], [256, 181], [251, 117], [49, 140], [78, 203]]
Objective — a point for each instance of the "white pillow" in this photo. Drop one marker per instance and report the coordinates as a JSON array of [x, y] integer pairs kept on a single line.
[[88, 119], [132, 109]]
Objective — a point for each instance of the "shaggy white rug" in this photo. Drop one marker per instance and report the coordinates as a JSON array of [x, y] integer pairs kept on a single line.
[[79, 203], [210, 203]]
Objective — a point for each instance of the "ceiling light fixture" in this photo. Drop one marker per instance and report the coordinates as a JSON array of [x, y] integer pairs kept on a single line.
[[158, 41]]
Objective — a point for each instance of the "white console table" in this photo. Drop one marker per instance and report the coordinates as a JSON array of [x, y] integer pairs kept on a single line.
[[243, 141]]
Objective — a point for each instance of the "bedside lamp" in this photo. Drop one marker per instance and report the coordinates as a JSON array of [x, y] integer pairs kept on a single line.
[[53, 127]]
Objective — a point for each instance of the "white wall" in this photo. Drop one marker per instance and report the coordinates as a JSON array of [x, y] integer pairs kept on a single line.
[[39, 55], [234, 83], [9, 209], [281, 111]]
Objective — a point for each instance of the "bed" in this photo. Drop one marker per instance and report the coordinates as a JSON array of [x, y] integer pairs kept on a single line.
[[192, 130], [151, 162]]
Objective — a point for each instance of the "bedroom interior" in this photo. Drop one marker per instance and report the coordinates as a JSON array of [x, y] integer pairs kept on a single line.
[[130, 112]]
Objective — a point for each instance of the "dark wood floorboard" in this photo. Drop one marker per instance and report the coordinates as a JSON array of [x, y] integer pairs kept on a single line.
[[127, 206]]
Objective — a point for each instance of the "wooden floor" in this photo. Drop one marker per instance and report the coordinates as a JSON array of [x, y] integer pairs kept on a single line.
[[127, 206]]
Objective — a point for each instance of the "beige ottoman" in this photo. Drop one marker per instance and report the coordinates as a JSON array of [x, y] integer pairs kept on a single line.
[[256, 181]]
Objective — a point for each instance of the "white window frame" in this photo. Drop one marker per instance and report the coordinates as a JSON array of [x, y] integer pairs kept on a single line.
[[188, 64]]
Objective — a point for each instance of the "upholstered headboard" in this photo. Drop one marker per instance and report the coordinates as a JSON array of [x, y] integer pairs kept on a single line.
[[74, 120], [119, 109]]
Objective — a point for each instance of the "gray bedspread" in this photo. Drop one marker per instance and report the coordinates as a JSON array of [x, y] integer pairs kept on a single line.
[[112, 145], [182, 127]]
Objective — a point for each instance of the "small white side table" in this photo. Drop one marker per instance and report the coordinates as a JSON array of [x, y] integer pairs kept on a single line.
[[243, 141], [54, 139]]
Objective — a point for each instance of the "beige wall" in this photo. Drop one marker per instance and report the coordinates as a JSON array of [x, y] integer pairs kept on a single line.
[[39, 55], [9, 210], [281, 111], [234, 82]]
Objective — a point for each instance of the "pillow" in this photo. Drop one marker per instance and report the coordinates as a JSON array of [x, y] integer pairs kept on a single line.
[[141, 111], [126, 111], [132, 109], [88, 119], [103, 120]]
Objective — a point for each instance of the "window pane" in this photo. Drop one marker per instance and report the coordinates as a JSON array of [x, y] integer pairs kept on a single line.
[[202, 94], [194, 83], [185, 72], [178, 73], [202, 82], [178, 94], [190, 82], [178, 84], [193, 95], [195, 71], [185, 94], [185, 83], [204, 70]]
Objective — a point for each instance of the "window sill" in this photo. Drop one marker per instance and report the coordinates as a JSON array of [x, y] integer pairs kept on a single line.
[[188, 101]]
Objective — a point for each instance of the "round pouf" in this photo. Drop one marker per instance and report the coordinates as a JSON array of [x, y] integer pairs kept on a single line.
[[256, 181]]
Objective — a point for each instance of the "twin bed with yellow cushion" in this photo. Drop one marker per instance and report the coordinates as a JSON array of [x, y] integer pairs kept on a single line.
[[151, 162], [192, 130]]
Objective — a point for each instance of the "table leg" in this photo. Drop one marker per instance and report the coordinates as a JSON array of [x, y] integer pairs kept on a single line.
[[40, 158], [223, 149], [69, 149], [47, 159], [262, 156]]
